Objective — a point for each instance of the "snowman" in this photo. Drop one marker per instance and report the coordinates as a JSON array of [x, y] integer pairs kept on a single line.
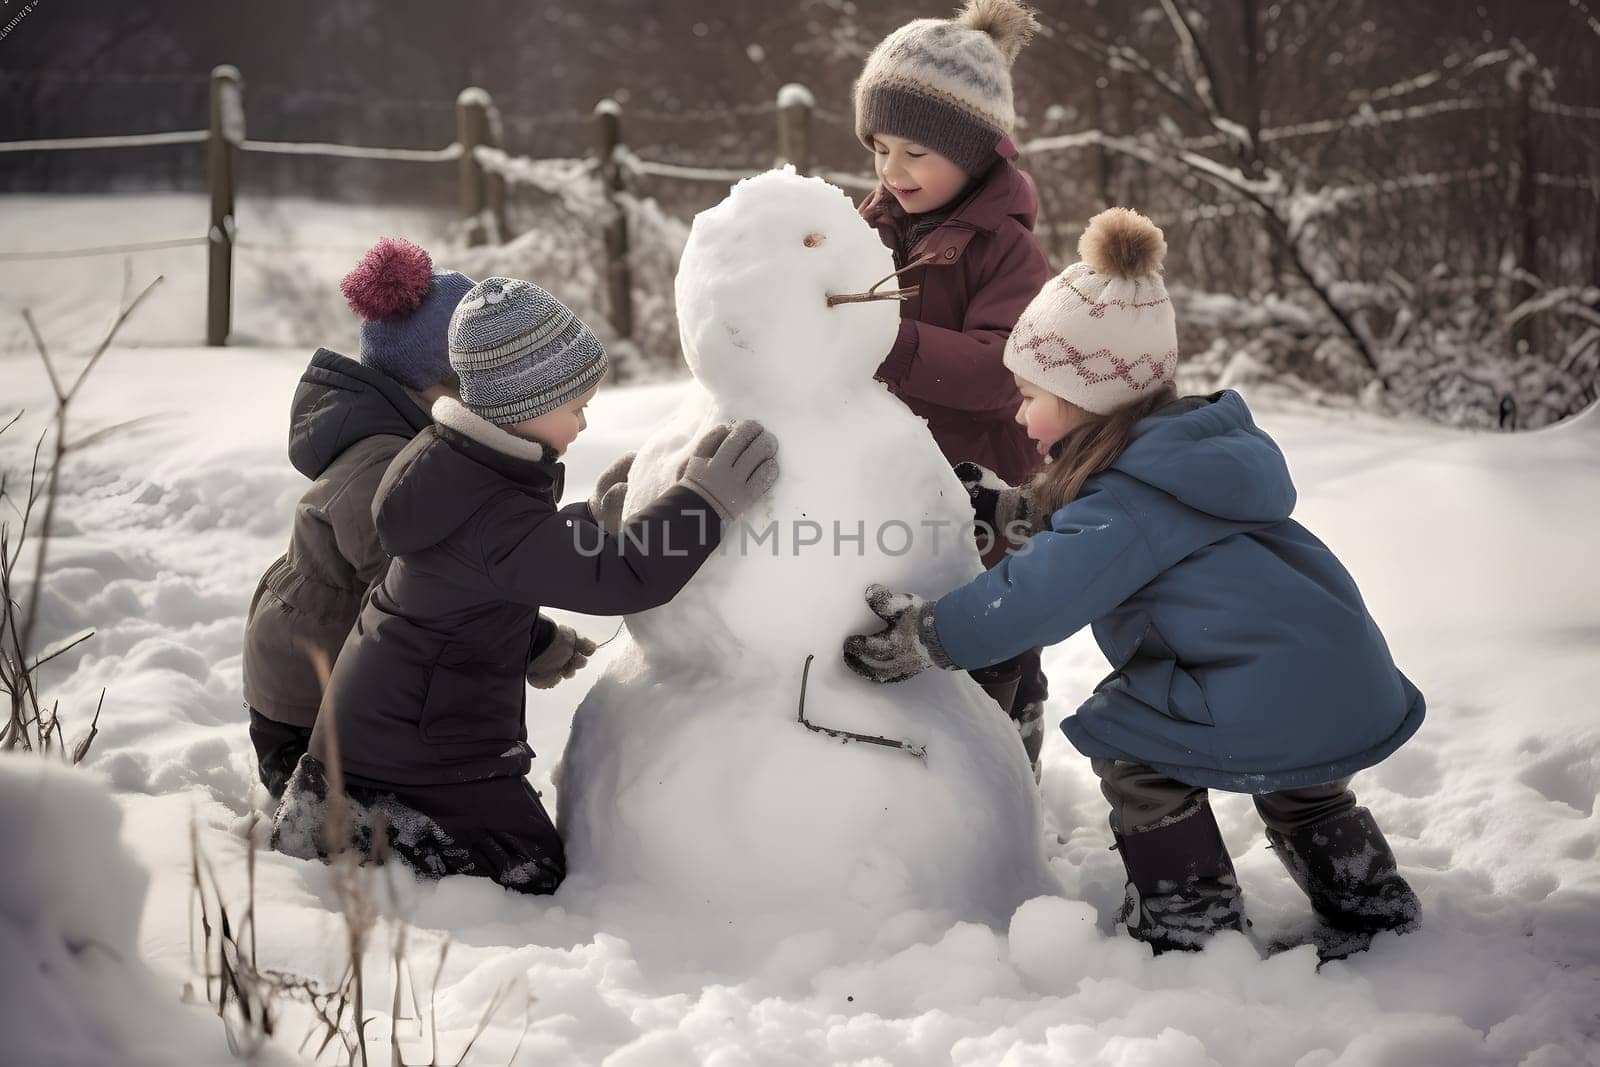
[[694, 784]]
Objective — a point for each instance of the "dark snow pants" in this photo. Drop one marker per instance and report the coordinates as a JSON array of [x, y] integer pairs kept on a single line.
[[1142, 798], [493, 828], [1019, 686], [279, 746]]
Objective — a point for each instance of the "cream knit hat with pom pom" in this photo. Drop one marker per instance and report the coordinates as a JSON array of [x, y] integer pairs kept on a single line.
[[1102, 334], [946, 83]]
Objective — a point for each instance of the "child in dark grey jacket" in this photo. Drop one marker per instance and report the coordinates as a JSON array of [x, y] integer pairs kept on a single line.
[[347, 421], [424, 713]]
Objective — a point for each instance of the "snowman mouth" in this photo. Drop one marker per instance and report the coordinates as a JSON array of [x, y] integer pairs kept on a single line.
[[835, 299]]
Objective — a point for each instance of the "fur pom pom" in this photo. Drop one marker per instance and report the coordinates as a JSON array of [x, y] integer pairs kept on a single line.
[[391, 280], [1123, 244], [1010, 24]]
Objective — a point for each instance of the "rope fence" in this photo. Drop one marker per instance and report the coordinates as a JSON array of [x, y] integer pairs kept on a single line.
[[106, 250], [634, 165], [448, 153], [602, 188], [134, 140]]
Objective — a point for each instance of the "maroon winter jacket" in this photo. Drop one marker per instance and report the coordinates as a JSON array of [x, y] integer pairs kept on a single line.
[[985, 266]]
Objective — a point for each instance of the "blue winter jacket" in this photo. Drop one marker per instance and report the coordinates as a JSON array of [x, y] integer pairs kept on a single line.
[[1243, 657]]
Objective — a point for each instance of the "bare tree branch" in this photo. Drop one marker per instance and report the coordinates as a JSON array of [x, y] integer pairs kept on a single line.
[[63, 404]]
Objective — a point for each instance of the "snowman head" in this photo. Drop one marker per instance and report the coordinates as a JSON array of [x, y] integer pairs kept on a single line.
[[753, 288]]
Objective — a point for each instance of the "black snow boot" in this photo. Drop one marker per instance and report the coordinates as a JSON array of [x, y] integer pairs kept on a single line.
[[1181, 886], [1344, 865], [1029, 720]]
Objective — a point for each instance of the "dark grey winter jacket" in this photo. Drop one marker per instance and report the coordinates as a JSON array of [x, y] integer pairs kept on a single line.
[[346, 423], [430, 686]]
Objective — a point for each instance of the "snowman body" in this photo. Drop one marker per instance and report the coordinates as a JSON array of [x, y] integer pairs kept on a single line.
[[689, 783]]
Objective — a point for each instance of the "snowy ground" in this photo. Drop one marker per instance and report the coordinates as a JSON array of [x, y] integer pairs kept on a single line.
[[1475, 553]]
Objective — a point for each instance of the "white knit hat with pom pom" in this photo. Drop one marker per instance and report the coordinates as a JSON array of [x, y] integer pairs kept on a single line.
[[946, 83], [1102, 334]]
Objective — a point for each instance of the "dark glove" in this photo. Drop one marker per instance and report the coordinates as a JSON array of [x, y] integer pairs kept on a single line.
[[1006, 510], [610, 489], [566, 654], [732, 466], [908, 646]]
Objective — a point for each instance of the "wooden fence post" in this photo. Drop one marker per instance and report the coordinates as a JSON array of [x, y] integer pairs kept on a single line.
[[472, 130], [495, 181], [795, 104], [222, 176], [619, 281]]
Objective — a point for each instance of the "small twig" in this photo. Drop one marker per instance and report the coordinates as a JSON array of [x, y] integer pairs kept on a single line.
[[613, 637], [111, 333], [888, 294], [919, 751], [872, 294], [44, 354], [61, 648], [250, 875], [25, 513], [333, 1021], [63, 404], [81, 749], [48, 729], [394, 1001], [433, 1004], [483, 1021], [198, 890], [115, 428], [527, 1024]]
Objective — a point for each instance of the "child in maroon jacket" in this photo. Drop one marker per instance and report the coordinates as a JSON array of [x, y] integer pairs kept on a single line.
[[934, 106]]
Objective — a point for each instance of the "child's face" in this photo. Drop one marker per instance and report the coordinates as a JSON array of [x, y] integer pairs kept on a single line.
[[1045, 416], [920, 178], [558, 428]]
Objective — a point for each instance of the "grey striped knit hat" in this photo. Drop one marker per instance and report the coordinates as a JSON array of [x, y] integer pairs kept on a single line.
[[520, 352], [946, 83]]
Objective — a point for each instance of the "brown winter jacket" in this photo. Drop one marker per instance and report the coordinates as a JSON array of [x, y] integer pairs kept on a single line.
[[347, 422], [429, 688], [984, 265]]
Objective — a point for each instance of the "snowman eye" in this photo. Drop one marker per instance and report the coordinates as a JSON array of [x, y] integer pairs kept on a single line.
[[814, 239]]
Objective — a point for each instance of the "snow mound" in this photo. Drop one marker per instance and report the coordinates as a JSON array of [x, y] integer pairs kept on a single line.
[[75, 989]]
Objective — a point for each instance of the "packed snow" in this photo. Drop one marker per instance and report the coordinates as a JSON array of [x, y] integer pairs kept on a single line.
[[1474, 551], [688, 786]]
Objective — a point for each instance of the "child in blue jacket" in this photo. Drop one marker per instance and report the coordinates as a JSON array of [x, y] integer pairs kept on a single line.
[[1243, 656]]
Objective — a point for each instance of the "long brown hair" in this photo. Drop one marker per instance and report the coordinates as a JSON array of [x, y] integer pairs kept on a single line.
[[1090, 448]]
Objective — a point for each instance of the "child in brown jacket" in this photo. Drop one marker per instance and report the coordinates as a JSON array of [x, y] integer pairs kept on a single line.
[[348, 420], [934, 106]]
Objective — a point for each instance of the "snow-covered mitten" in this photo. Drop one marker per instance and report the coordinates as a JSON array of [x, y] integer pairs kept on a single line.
[[732, 466], [1345, 866], [906, 647], [610, 489], [1005, 509], [1181, 886], [567, 653]]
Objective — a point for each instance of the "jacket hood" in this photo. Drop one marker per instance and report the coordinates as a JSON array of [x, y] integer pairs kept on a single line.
[[339, 402], [450, 471], [1210, 455]]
